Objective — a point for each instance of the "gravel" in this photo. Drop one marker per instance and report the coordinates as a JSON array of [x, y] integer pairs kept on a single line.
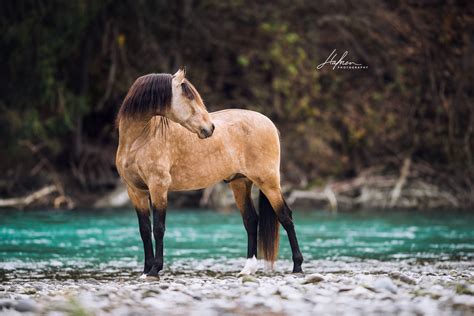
[[210, 287]]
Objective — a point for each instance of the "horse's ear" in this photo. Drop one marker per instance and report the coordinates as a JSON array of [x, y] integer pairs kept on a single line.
[[179, 76]]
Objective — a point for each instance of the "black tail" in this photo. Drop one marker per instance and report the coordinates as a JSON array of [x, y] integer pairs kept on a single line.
[[268, 235]]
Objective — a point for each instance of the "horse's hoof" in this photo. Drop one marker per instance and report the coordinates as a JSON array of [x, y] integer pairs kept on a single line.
[[297, 270], [145, 277], [251, 266]]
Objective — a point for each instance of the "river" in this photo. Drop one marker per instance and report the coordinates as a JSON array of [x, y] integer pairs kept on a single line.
[[52, 250]]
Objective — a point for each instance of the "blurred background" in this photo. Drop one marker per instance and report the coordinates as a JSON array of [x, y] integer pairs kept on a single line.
[[398, 134]]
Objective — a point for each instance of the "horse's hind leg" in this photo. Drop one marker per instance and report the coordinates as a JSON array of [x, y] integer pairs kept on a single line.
[[140, 201], [272, 191], [242, 193]]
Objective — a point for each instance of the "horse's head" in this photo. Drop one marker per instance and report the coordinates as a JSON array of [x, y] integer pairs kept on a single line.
[[187, 107]]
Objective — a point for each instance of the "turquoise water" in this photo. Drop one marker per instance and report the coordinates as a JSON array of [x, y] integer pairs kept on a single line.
[[109, 238]]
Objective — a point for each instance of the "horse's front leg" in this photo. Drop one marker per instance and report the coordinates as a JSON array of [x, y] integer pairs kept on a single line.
[[159, 202], [140, 201], [145, 233]]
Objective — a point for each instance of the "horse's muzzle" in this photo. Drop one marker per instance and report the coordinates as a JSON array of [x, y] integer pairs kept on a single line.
[[205, 132]]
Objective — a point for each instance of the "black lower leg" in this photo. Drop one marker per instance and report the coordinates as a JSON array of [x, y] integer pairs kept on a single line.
[[159, 216], [145, 232], [286, 220], [250, 218]]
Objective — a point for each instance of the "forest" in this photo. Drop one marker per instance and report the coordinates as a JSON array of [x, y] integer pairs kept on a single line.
[[406, 120]]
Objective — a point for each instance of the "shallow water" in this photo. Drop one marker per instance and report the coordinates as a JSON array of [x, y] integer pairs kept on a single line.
[[51, 242]]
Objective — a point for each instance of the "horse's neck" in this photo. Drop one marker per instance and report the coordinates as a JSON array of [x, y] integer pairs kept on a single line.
[[136, 131]]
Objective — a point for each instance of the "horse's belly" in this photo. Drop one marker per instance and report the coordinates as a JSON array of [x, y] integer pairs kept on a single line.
[[192, 181], [183, 179]]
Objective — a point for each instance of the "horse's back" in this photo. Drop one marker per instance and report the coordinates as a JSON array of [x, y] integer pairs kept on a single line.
[[253, 135], [254, 121], [239, 114]]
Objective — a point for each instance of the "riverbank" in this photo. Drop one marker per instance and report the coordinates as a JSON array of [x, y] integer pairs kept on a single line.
[[210, 287]]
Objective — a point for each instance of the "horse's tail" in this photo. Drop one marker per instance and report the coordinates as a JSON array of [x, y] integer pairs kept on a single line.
[[268, 235]]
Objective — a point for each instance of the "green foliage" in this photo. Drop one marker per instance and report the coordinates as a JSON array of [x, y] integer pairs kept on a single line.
[[68, 64], [41, 46]]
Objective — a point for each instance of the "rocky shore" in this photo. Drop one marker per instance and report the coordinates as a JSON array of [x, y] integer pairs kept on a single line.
[[211, 287]]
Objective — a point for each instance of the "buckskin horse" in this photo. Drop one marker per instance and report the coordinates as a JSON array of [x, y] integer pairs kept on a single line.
[[159, 152]]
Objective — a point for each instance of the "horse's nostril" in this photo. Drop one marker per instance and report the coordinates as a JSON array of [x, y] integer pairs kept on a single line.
[[207, 132], [213, 127]]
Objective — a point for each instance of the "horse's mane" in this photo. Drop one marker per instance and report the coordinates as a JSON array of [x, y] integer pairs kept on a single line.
[[149, 94]]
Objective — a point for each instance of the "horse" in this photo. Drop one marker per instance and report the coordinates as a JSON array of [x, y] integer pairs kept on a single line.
[[158, 152]]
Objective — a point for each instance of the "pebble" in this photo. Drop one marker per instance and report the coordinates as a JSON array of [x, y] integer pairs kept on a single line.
[[26, 305], [385, 284], [313, 278], [249, 278], [464, 289], [402, 277], [28, 290], [5, 303]]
